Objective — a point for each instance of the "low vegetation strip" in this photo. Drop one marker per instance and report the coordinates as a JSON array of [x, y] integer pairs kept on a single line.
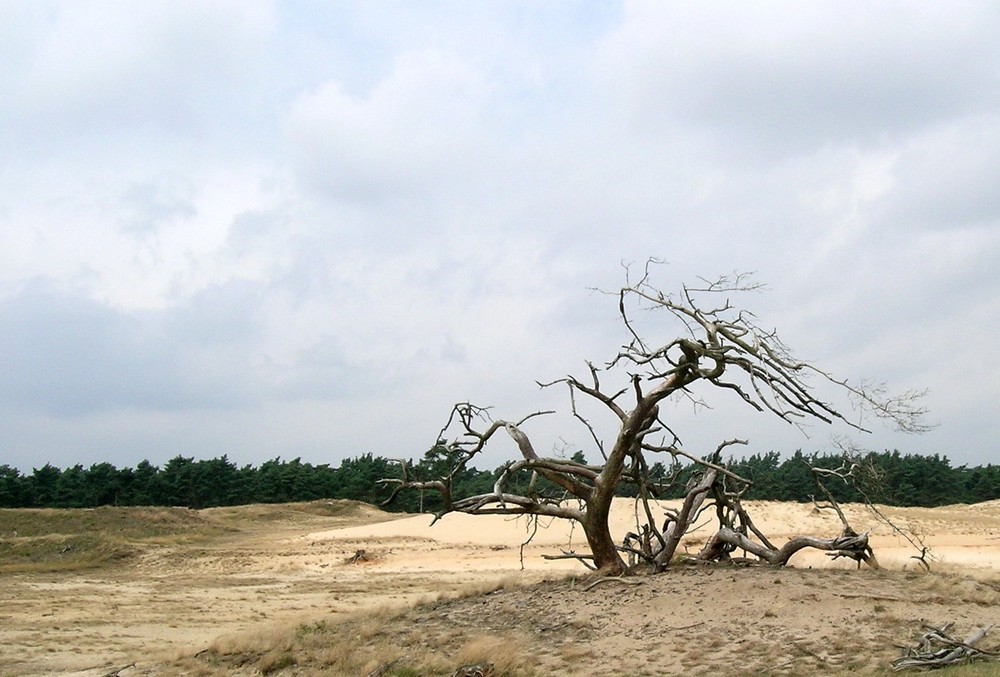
[[50, 539], [62, 552]]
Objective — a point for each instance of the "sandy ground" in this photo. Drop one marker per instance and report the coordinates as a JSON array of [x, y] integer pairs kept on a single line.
[[178, 600]]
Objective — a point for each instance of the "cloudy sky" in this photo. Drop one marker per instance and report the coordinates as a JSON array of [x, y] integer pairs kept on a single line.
[[305, 229]]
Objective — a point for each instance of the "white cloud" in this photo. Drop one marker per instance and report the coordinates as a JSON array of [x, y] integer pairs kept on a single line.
[[418, 129], [106, 67], [758, 82], [254, 229]]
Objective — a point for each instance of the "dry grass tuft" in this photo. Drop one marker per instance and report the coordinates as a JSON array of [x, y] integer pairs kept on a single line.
[[574, 652], [386, 639], [503, 652], [275, 660], [948, 587], [264, 639]]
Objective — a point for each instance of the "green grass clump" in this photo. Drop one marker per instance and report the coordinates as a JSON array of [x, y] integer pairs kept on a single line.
[[62, 553], [133, 523]]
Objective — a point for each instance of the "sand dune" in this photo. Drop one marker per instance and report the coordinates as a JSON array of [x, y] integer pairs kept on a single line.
[[287, 568]]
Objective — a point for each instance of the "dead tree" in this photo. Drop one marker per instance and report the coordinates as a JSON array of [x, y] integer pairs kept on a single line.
[[716, 345]]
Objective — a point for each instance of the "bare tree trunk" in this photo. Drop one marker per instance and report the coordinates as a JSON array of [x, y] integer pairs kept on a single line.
[[607, 559], [685, 518]]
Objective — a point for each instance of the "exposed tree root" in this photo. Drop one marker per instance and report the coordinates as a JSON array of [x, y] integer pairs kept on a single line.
[[620, 579]]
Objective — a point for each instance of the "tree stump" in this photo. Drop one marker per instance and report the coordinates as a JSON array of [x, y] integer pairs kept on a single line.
[[358, 557]]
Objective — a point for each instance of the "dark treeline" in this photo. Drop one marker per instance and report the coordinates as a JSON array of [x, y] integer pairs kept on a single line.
[[905, 479]]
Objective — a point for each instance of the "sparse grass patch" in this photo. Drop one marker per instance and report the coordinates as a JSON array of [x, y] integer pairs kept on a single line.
[[263, 639], [502, 651], [341, 510], [50, 540], [273, 661], [57, 552], [305, 630], [131, 523], [480, 588], [980, 669], [574, 652], [368, 628], [435, 639], [950, 587], [385, 639]]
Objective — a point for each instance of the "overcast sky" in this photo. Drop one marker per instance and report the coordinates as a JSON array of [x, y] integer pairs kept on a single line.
[[305, 229]]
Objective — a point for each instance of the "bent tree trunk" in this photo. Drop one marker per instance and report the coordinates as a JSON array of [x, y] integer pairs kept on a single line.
[[607, 559]]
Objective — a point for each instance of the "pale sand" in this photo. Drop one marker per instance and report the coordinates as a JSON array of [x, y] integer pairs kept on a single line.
[[959, 536], [176, 600]]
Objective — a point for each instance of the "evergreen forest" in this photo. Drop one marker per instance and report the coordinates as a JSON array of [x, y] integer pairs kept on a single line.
[[901, 479]]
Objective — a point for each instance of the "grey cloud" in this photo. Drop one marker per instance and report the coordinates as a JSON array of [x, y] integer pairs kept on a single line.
[[219, 315], [71, 355], [945, 179], [325, 370], [252, 231], [66, 354], [761, 87]]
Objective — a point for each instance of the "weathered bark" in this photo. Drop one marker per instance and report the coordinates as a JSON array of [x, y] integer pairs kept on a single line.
[[607, 559], [937, 649], [850, 545], [685, 517]]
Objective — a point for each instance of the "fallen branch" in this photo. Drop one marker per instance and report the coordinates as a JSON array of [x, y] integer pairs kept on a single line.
[[937, 649], [626, 581], [849, 544], [684, 627], [922, 558], [585, 560]]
